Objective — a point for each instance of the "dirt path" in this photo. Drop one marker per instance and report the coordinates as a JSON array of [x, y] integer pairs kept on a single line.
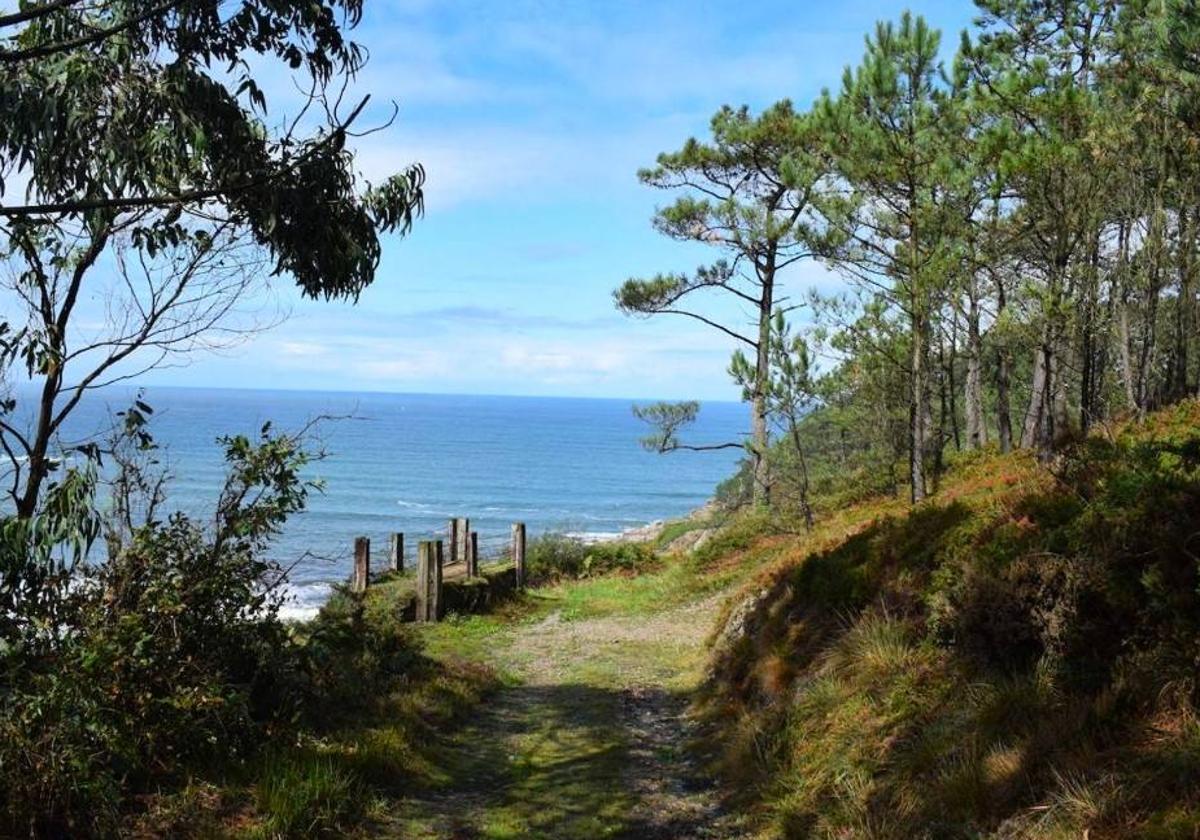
[[587, 743]]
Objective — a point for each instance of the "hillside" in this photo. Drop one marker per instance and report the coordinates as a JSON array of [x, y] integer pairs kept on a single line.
[[1015, 657]]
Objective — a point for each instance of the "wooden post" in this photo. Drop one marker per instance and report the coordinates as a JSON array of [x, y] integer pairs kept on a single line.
[[437, 582], [452, 533], [518, 552], [473, 555], [396, 553], [425, 562], [429, 580], [362, 564], [463, 550]]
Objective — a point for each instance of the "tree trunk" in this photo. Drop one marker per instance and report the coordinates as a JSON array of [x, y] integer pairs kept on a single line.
[[951, 389], [1125, 339], [760, 432], [1003, 375], [1088, 392], [973, 394], [918, 409], [38, 464], [1031, 431], [1183, 305], [804, 504], [1147, 350]]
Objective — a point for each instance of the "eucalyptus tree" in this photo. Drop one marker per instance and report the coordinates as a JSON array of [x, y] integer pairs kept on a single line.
[[894, 127], [754, 191], [136, 135]]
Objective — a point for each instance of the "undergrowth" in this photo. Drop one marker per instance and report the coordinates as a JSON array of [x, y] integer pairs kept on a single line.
[[1016, 657]]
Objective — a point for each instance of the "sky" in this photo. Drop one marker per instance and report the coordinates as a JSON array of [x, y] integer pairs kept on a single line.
[[532, 119]]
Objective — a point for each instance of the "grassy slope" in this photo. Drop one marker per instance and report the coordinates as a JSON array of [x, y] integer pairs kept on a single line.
[[1016, 657]]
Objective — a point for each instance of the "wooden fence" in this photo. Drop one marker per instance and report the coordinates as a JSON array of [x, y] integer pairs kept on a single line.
[[431, 562]]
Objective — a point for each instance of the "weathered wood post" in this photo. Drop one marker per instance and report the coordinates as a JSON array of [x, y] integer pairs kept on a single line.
[[425, 561], [396, 553], [452, 533], [437, 581], [429, 580], [518, 552], [463, 550], [362, 564], [473, 555]]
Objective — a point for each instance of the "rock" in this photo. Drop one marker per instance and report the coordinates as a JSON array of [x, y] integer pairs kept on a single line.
[[691, 541]]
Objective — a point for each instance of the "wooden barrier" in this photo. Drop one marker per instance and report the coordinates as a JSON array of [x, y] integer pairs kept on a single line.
[[518, 553], [473, 555], [429, 580], [396, 553], [362, 564], [463, 549], [452, 538]]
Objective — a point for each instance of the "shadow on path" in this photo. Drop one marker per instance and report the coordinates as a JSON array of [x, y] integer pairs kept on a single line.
[[567, 761]]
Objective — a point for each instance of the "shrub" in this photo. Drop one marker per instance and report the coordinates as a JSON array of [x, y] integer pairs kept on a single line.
[[553, 557], [168, 655]]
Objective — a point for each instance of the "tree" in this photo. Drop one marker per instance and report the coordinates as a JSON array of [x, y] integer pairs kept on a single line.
[[791, 394], [667, 419], [753, 192], [1036, 63], [892, 127], [135, 153]]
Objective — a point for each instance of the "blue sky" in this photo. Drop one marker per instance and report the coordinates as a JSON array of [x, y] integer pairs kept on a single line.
[[532, 119]]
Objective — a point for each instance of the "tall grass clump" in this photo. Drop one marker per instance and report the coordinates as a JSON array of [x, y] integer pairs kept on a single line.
[[305, 794]]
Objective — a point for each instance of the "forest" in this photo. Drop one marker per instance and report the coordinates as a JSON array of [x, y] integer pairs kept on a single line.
[[1016, 223]]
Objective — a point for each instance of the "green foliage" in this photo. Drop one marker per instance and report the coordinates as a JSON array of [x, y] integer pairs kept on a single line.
[[166, 656], [110, 108], [351, 657], [552, 557]]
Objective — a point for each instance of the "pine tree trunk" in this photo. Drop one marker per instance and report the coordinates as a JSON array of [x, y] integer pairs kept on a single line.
[[1088, 392], [1031, 432], [1125, 339], [1183, 306], [918, 409], [1045, 425], [973, 395], [1003, 376], [759, 429], [1148, 348], [950, 387]]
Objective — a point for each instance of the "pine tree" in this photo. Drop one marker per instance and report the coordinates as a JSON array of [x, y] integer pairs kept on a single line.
[[752, 192]]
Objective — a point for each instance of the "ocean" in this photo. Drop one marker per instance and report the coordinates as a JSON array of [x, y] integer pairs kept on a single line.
[[409, 462]]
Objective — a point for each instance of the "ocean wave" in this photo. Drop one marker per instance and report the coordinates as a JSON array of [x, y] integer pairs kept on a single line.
[[303, 601], [594, 537]]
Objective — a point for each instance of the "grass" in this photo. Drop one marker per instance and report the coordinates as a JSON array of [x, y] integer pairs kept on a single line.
[[305, 794], [511, 723], [1012, 658]]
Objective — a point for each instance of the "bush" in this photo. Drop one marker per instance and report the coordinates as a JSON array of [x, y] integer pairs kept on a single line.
[[351, 657], [166, 656], [553, 557]]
